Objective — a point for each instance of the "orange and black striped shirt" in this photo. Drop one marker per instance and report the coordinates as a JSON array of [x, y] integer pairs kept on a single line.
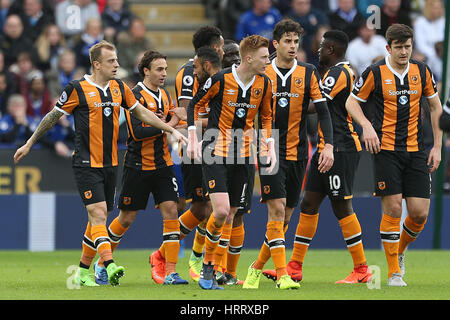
[[186, 86], [96, 114], [397, 113], [147, 146], [233, 106], [336, 86], [292, 92]]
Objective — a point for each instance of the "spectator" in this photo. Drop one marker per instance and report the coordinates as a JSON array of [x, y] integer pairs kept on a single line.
[[39, 101], [62, 136], [131, 43], [58, 78], [313, 54], [3, 93], [260, 20], [72, 15], [16, 126], [14, 40], [229, 15], [116, 18], [82, 43], [22, 70], [49, 46], [364, 48], [309, 18], [33, 18], [5, 10], [10, 84], [301, 55], [430, 29], [347, 18], [230, 54], [390, 14]]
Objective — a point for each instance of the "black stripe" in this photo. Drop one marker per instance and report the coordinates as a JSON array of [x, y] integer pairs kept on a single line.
[[201, 231], [213, 238], [113, 237], [391, 236], [302, 240], [81, 117], [276, 243], [171, 237], [234, 249], [403, 114], [122, 93], [224, 243], [107, 126], [302, 147], [88, 242], [377, 94], [411, 233], [99, 241], [184, 230], [353, 240]]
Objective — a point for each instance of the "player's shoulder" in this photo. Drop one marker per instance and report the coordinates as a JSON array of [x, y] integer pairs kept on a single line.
[[420, 64], [306, 65], [188, 67]]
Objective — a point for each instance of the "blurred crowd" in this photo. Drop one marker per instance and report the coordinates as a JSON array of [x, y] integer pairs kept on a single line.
[[44, 44]]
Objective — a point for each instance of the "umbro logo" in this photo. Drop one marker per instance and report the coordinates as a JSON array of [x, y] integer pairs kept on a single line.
[[230, 91], [92, 94], [388, 81]]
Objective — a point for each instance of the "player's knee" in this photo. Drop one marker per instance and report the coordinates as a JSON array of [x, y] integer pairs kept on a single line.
[[418, 217], [221, 212], [276, 208], [126, 218], [238, 220], [309, 207]]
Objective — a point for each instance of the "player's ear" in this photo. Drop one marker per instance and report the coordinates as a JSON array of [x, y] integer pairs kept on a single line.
[[275, 43], [388, 48]]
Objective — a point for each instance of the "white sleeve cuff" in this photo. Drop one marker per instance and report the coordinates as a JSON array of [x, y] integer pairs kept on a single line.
[[269, 140], [192, 128], [319, 100], [432, 96], [358, 98], [134, 106], [61, 110]]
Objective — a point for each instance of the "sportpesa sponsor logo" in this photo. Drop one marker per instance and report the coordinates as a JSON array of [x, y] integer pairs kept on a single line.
[[241, 105], [285, 94], [401, 92], [106, 104]]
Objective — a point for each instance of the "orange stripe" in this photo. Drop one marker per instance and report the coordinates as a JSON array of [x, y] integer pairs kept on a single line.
[[390, 110], [353, 133], [226, 116], [95, 125], [295, 112], [414, 109]]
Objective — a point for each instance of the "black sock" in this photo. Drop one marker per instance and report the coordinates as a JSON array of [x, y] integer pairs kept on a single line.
[[107, 263], [82, 265]]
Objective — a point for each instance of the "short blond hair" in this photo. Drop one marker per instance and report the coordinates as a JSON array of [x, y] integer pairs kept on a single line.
[[95, 51], [252, 43]]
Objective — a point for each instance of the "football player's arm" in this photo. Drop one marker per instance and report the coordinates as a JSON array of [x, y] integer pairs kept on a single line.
[[148, 117], [434, 159], [46, 124], [371, 140], [266, 115], [361, 92]]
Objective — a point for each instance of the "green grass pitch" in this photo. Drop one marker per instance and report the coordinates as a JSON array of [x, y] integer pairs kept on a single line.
[[43, 276]]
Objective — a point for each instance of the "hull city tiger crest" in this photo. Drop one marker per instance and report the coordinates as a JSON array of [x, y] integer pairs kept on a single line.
[[126, 201], [266, 189], [414, 79], [257, 92], [298, 82], [88, 194], [212, 183], [381, 185]]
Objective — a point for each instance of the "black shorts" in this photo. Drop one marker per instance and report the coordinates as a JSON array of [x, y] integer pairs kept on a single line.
[[285, 183], [231, 178], [193, 182], [246, 202], [402, 172], [337, 182], [138, 184], [96, 185]]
